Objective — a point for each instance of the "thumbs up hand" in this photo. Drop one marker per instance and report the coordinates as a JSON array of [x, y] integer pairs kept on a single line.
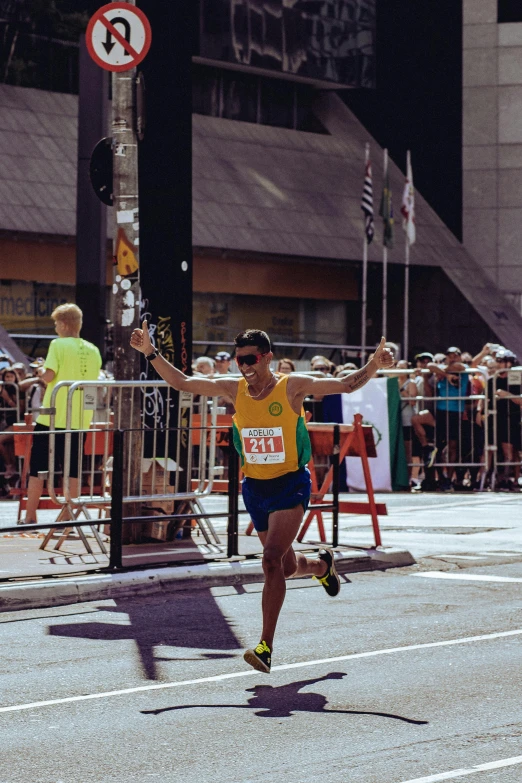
[[140, 339], [383, 357]]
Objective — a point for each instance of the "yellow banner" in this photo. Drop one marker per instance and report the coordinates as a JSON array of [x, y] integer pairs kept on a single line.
[[28, 306]]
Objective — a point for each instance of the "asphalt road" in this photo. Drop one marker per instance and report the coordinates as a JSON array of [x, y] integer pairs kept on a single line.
[[388, 683]]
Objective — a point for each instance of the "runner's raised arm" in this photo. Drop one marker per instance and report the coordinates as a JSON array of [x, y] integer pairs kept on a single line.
[[299, 386], [140, 340]]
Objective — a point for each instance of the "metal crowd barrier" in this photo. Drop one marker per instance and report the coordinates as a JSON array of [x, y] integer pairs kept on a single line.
[[155, 442], [505, 427], [10, 412], [451, 423]]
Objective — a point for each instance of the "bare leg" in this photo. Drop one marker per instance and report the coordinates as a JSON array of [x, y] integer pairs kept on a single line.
[[281, 562], [408, 450], [34, 492], [419, 421], [7, 451]]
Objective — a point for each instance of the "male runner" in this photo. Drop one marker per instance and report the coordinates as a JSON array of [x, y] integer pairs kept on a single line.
[[271, 437]]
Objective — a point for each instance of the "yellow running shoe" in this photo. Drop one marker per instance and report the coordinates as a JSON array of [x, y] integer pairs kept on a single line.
[[330, 581], [260, 657]]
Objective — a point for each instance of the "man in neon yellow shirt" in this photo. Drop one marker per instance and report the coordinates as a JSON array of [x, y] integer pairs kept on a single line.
[[271, 437], [70, 358]]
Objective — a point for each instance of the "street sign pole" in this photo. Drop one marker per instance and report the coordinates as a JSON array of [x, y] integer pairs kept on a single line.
[[126, 288], [126, 285]]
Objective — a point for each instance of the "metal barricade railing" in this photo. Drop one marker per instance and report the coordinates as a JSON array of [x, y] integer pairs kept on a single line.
[[449, 427], [156, 452], [86, 455], [10, 412], [505, 427]]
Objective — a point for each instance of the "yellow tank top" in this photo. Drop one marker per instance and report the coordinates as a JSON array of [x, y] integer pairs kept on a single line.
[[270, 437]]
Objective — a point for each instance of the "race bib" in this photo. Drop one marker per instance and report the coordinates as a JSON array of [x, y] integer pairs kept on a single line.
[[263, 446]]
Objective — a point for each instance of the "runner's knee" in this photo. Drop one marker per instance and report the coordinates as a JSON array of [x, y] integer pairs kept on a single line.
[[272, 559]]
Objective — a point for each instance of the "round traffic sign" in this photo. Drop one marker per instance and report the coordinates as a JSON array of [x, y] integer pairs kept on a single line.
[[118, 36]]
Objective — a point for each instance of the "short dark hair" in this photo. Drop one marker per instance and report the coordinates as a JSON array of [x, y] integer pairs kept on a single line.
[[253, 337]]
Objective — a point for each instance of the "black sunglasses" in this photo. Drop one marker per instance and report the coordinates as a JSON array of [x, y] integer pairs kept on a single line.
[[250, 358]]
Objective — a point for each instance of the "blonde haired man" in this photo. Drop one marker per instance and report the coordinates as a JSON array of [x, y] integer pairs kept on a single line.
[[70, 358]]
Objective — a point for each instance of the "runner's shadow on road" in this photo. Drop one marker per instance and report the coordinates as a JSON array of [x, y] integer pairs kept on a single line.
[[283, 701], [190, 621]]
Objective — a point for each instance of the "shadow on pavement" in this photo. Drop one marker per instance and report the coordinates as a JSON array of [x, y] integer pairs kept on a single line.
[[189, 621], [283, 701]]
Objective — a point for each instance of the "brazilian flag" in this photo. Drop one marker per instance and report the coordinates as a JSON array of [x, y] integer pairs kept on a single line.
[[386, 212]]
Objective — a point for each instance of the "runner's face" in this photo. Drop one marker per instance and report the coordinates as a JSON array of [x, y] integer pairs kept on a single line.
[[255, 373]]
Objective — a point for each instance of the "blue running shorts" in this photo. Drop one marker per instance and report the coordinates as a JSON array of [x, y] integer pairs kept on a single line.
[[263, 496]]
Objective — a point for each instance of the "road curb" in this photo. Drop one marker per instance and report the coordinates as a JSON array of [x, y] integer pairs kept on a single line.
[[70, 590]]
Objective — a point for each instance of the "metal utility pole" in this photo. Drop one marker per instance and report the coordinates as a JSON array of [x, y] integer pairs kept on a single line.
[[126, 286], [118, 38]]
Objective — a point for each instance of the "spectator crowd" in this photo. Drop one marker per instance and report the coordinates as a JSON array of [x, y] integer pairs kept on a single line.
[[457, 410], [461, 414]]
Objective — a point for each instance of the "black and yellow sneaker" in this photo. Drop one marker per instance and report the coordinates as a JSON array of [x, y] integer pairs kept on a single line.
[[330, 581], [260, 657]]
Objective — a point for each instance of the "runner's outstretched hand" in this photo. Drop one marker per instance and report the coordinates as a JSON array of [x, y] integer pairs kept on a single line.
[[383, 357], [140, 339]]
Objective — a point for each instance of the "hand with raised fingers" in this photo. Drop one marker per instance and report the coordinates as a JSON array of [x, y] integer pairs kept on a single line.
[[140, 339], [383, 357]]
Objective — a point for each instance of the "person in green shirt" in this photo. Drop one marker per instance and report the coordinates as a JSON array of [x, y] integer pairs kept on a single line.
[[70, 358]]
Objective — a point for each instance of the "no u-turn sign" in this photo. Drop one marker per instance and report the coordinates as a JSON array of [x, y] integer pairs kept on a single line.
[[118, 36]]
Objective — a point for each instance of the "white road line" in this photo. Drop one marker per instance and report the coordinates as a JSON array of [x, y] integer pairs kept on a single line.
[[460, 773], [283, 667], [439, 506], [467, 577]]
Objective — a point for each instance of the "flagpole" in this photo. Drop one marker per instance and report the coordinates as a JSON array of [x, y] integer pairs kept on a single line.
[[364, 292], [406, 335], [385, 266], [408, 224]]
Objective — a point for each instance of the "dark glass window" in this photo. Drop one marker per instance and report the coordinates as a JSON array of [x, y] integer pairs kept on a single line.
[[510, 10], [278, 103], [236, 95], [206, 91], [240, 96], [328, 40]]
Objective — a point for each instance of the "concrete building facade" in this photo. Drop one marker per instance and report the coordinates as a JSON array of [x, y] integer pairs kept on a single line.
[[492, 141]]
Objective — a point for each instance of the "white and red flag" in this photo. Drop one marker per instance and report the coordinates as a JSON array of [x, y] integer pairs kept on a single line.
[[367, 202], [408, 204]]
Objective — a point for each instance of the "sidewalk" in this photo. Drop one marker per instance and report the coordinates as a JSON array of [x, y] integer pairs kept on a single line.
[[78, 576]]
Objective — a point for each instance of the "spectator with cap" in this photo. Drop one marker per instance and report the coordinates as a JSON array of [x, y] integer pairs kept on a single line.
[[508, 404], [488, 351], [451, 384], [423, 421], [222, 361]]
